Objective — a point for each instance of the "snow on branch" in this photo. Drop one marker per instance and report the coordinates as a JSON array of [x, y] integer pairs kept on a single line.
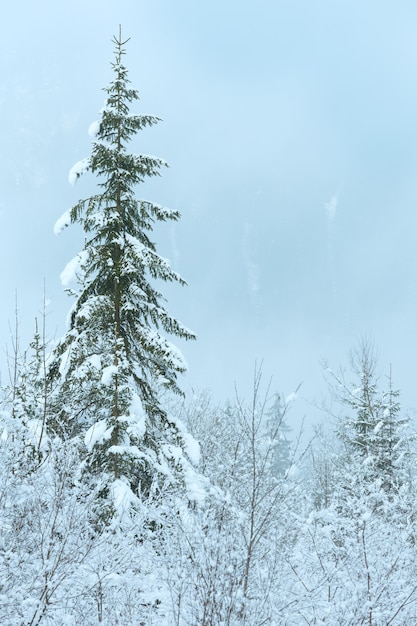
[[97, 433], [94, 128], [77, 170], [70, 272], [62, 222]]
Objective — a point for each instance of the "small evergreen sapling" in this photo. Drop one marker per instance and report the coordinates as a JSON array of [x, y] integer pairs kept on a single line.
[[373, 432]]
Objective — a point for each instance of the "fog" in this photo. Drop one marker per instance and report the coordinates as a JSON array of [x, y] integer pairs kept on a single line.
[[290, 129]]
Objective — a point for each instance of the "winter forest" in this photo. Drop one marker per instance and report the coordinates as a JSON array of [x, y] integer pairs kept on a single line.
[[125, 501]]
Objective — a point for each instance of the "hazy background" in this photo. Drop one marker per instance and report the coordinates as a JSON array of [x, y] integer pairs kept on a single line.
[[291, 130]]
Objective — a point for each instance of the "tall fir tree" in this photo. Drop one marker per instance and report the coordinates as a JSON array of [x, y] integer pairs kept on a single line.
[[115, 358]]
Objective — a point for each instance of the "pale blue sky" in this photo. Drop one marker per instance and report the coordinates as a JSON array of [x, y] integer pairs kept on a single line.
[[270, 110]]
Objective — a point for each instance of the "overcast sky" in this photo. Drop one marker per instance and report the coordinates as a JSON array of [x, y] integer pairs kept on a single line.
[[290, 128]]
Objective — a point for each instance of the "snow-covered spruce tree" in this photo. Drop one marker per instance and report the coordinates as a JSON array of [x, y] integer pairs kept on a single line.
[[27, 397], [371, 430], [355, 557], [115, 358]]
